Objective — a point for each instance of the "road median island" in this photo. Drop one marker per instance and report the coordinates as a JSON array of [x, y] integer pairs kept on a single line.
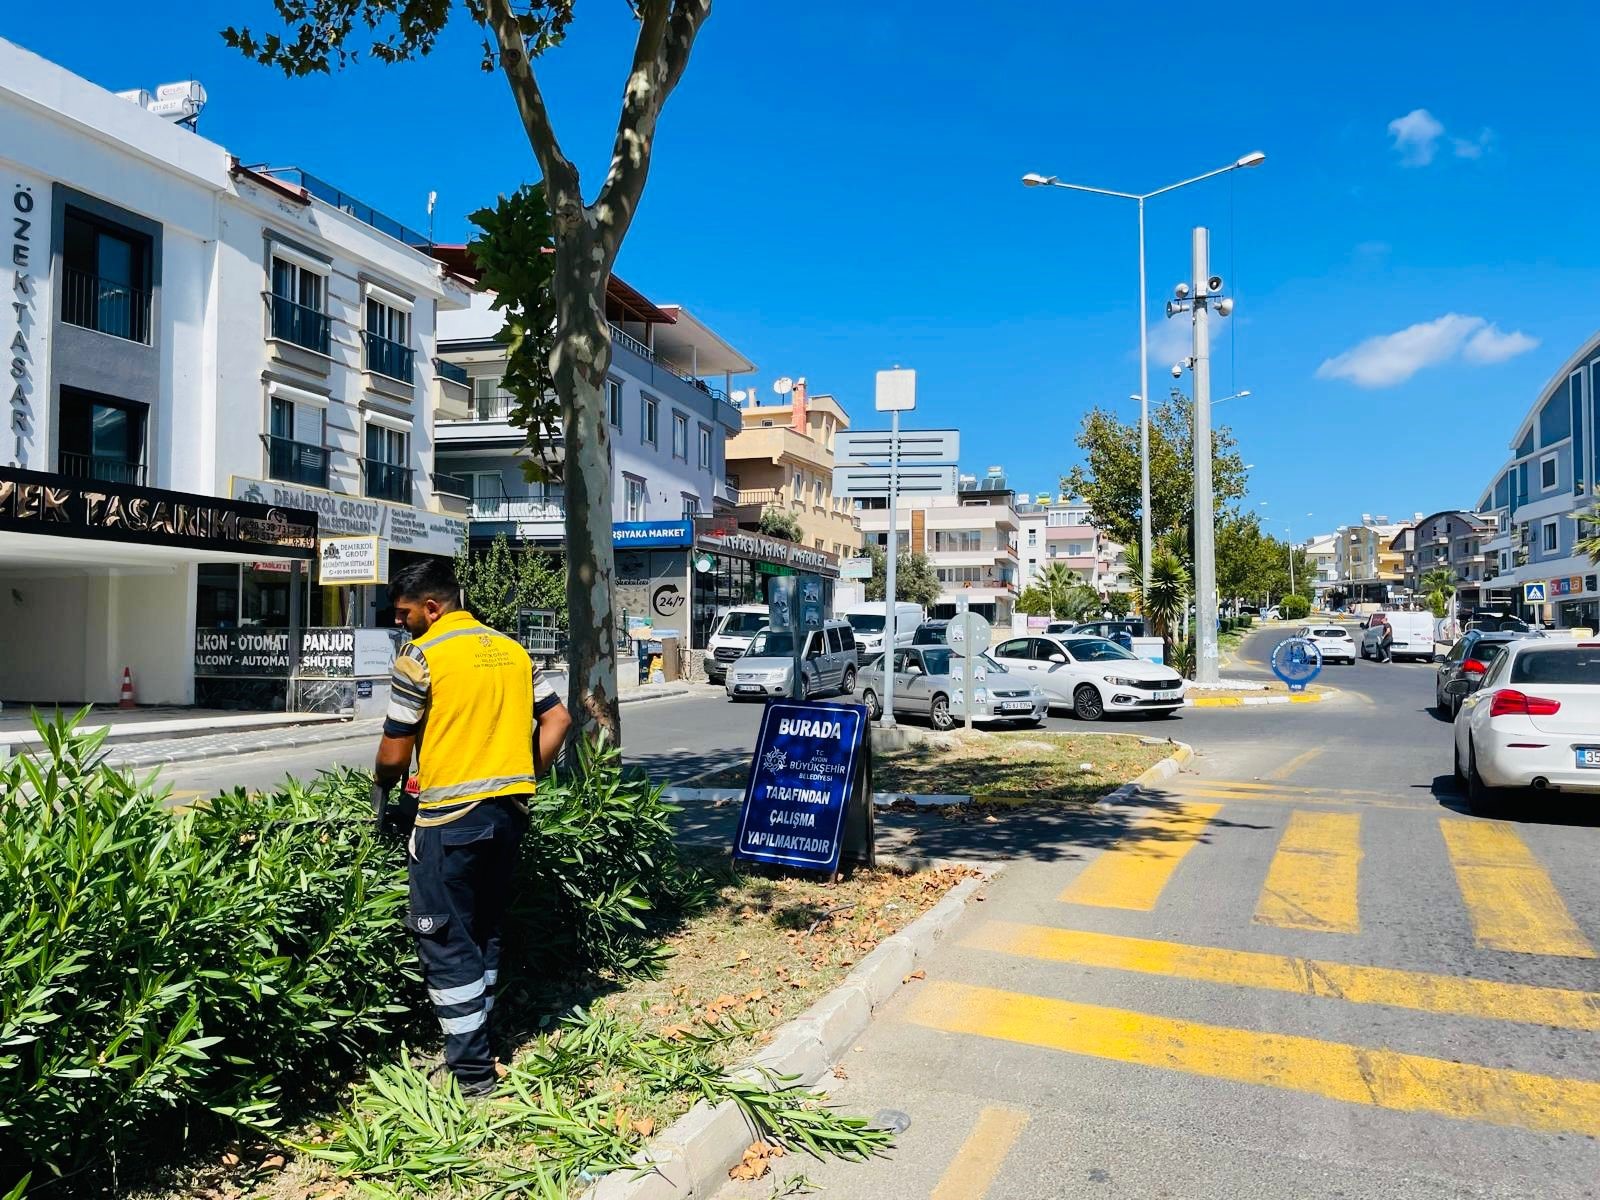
[[225, 1004]]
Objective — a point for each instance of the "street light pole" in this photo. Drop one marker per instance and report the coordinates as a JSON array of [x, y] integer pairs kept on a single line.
[[1033, 179], [1205, 551]]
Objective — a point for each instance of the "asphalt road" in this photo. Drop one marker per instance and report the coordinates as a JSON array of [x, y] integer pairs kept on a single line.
[[1298, 969]]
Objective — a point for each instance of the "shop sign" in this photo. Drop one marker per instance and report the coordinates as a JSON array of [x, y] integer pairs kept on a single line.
[[639, 535], [855, 568], [26, 241], [375, 651], [56, 506], [767, 549], [809, 773], [342, 560], [324, 653], [1570, 585], [401, 526], [652, 584]]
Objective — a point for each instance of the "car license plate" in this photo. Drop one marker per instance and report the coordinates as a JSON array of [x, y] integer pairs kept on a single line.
[[1169, 695], [748, 689], [1015, 706], [1589, 756]]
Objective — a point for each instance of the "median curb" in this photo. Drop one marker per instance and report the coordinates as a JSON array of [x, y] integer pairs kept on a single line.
[[690, 1159], [1158, 773], [1254, 701]]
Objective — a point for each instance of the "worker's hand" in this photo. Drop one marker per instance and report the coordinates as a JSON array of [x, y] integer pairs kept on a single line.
[[393, 815]]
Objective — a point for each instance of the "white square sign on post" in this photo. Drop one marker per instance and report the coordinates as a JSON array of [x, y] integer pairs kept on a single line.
[[897, 390]]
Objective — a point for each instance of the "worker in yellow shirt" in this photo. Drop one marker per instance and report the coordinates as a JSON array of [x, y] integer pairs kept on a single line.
[[466, 700]]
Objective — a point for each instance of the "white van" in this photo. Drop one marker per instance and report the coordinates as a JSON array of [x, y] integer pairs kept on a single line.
[[868, 621], [1413, 634], [731, 637]]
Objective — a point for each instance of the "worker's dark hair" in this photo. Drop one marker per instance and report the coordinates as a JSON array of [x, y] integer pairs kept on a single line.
[[430, 579]]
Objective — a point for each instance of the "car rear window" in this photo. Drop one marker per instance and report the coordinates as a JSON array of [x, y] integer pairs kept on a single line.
[[1333, 633], [1557, 666]]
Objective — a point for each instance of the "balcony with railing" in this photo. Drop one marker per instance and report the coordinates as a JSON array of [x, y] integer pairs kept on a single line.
[[393, 359], [385, 481], [103, 467], [657, 367], [519, 508], [104, 305], [297, 462], [300, 324], [452, 485]]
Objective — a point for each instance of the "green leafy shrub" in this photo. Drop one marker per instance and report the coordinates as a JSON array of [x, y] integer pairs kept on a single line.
[[167, 972], [1294, 607]]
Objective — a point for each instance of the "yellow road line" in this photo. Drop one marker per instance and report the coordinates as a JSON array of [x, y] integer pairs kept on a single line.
[[1132, 874], [1295, 763], [971, 1173], [1509, 896], [1561, 1008], [1354, 1074], [1256, 785], [1314, 875], [1338, 801]]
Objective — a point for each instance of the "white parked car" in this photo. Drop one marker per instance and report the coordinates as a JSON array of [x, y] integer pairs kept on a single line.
[[930, 681], [1092, 676], [1533, 722], [1332, 641]]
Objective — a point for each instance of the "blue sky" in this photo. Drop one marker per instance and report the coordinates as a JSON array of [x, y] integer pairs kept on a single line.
[[836, 190]]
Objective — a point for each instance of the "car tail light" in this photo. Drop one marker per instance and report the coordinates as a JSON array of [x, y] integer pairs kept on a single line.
[[1473, 666], [1508, 702]]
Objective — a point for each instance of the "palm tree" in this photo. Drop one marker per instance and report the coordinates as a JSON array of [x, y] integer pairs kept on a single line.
[[1082, 602], [1438, 586], [1164, 606], [1057, 581]]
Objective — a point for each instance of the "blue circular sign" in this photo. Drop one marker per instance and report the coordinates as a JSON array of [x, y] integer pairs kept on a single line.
[[1296, 661]]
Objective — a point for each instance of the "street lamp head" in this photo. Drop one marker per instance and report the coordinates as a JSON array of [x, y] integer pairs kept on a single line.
[[1241, 396], [1254, 159], [1034, 179]]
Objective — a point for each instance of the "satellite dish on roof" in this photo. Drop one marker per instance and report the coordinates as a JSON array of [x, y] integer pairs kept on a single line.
[[738, 396], [783, 386]]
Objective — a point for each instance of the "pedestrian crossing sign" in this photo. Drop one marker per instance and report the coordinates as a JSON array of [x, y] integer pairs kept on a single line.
[[1533, 593]]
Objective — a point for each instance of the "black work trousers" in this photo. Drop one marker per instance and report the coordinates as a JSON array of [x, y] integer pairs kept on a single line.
[[460, 876]]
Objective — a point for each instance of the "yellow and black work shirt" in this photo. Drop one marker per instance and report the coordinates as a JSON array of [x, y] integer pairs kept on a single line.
[[469, 694]]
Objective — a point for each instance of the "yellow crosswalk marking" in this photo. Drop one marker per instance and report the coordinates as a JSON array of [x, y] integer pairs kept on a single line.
[[1327, 801], [1132, 874], [1561, 1008], [971, 1173], [1244, 786], [1312, 881], [1354, 1074], [1509, 896]]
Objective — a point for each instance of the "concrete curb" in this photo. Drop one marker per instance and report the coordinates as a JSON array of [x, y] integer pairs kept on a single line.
[[726, 795], [689, 1160], [1158, 773], [186, 750], [1254, 701]]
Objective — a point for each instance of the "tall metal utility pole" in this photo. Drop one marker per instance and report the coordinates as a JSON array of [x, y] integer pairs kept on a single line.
[[1207, 291], [893, 552]]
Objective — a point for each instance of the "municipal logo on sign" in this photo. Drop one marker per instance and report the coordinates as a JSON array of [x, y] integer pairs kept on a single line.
[[1533, 593], [1296, 661]]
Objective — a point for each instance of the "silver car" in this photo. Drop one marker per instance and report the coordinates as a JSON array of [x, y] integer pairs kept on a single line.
[[827, 664], [929, 681]]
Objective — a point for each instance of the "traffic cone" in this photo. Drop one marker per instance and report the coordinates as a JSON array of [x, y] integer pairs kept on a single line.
[[126, 700]]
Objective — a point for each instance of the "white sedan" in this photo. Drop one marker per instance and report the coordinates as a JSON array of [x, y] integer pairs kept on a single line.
[[1533, 722], [1333, 642], [1092, 676]]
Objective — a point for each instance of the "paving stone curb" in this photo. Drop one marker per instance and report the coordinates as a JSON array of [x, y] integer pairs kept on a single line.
[[1154, 774], [689, 1160]]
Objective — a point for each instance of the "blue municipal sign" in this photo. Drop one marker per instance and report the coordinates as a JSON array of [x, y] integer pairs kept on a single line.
[[1296, 661], [1533, 593], [802, 780]]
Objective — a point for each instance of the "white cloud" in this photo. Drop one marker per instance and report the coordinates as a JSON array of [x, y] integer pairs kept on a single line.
[[1393, 358], [1416, 136], [1472, 147], [1489, 345]]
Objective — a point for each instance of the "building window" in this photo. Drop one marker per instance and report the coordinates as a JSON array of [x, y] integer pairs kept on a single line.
[[387, 475], [1033, 537], [705, 448], [963, 540], [101, 437], [490, 401], [1575, 394], [299, 305], [614, 402], [691, 505], [799, 491], [105, 282], [680, 436], [635, 505], [647, 420], [295, 450], [388, 337], [1547, 472], [1552, 537]]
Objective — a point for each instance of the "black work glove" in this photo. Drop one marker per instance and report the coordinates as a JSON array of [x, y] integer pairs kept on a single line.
[[394, 816]]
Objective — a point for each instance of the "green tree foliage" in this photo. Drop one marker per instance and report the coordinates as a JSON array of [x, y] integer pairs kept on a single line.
[[914, 579], [1081, 603], [1438, 588], [1033, 601], [503, 580], [1108, 478], [1119, 604], [775, 522], [1169, 594], [1294, 607]]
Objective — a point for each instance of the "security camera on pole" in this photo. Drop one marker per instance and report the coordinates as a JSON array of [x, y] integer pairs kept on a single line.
[[1207, 296]]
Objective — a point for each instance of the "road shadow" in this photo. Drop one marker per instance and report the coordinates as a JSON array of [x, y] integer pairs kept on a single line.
[[1527, 806]]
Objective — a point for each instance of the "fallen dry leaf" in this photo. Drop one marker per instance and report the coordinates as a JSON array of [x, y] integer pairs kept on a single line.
[[660, 1010], [644, 1127], [839, 1072], [757, 1161], [919, 973]]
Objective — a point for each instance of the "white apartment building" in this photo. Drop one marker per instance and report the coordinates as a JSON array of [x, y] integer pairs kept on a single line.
[[1059, 530], [970, 538], [215, 369], [1322, 557]]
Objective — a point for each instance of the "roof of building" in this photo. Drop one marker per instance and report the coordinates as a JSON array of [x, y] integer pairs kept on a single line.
[[694, 345], [624, 302]]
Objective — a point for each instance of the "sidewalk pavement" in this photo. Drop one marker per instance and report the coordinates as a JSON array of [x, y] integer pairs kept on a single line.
[[139, 742]]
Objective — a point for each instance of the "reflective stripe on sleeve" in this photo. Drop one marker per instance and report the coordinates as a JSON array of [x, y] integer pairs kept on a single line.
[[458, 995], [464, 1024], [433, 797]]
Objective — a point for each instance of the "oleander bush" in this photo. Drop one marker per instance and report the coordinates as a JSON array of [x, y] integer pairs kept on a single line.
[[166, 974]]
